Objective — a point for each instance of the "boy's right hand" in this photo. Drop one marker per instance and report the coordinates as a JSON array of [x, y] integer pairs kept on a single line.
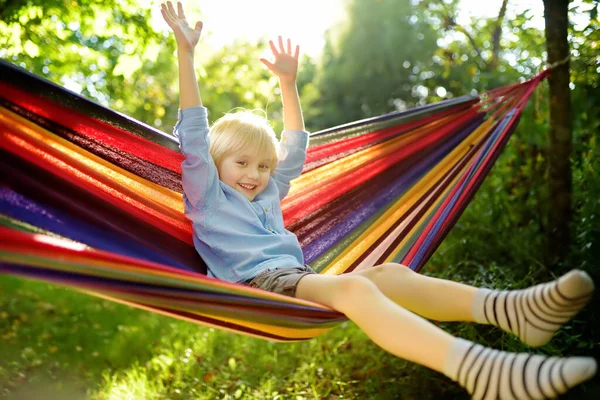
[[187, 38]]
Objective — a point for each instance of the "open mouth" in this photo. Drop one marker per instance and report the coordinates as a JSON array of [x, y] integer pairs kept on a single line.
[[248, 188]]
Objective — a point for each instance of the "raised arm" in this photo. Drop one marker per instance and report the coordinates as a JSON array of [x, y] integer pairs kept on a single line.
[[187, 39], [199, 175], [294, 139], [285, 67]]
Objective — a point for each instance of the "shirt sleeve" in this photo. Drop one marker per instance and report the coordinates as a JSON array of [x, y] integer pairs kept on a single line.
[[293, 147], [199, 176]]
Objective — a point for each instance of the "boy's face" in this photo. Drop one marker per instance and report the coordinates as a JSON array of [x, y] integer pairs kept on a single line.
[[247, 173]]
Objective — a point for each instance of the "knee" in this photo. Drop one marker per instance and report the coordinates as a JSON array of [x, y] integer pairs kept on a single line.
[[383, 271], [350, 289]]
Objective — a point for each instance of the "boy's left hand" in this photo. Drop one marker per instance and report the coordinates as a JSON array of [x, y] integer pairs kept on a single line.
[[286, 63]]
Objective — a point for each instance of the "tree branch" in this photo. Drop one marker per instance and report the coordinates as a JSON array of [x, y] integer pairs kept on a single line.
[[496, 35], [460, 28]]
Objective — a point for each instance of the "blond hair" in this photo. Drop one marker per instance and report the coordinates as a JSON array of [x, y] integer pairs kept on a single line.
[[243, 132]]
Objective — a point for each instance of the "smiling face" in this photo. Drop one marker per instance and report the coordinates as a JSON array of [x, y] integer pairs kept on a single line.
[[245, 172], [244, 149]]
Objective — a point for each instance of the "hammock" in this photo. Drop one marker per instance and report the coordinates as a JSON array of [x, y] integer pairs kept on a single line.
[[91, 199]]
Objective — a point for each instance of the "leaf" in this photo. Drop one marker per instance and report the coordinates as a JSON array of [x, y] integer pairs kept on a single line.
[[232, 363]]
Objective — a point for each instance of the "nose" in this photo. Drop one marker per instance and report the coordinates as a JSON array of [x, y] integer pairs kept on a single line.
[[252, 173]]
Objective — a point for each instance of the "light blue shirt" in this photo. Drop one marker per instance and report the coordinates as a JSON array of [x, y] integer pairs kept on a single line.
[[236, 237]]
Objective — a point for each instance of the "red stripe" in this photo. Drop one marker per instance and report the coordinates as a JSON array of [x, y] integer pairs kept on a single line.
[[296, 206], [94, 129], [459, 205], [481, 172], [415, 248], [322, 151], [33, 243], [180, 229]]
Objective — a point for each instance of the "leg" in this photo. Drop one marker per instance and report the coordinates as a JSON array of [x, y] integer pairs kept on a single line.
[[432, 298], [533, 314], [361, 301], [482, 371]]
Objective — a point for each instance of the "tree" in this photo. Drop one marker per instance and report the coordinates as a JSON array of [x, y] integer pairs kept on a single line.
[[108, 51], [370, 66], [234, 77], [95, 48], [561, 128]]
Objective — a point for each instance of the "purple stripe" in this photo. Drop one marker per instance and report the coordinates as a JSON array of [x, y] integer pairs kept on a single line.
[[473, 169], [89, 282], [439, 106], [22, 208], [375, 203], [463, 205]]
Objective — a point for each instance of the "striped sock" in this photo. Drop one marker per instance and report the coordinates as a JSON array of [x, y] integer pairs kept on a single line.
[[534, 314], [491, 374]]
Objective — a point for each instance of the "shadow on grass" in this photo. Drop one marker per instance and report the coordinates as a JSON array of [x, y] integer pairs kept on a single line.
[[53, 335], [58, 342]]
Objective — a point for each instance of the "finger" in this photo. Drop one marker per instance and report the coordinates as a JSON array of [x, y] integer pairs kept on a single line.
[[199, 26], [180, 12], [297, 51], [267, 63], [171, 9], [281, 45], [167, 17], [289, 46], [170, 17], [273, 48], [165, 9]]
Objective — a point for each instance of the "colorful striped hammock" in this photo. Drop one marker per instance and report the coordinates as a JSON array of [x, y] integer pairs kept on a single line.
[[91, 199]]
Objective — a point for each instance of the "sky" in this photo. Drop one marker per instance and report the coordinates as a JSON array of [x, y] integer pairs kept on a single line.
[[305, 21]]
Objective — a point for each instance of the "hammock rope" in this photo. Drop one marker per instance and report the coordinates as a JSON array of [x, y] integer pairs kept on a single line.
[[91, 199]]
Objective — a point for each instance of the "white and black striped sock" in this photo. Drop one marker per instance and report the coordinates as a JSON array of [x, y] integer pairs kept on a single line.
[[534, 314], [491, 374]]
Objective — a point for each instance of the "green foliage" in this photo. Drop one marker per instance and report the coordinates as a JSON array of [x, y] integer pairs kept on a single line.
[[464, 60], [233, 77], [105, 50], [109, 52], [389, 55], [370, 67]]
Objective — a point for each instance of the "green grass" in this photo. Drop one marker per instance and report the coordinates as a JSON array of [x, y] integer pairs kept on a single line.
[[74, 346], [56, 343], [57, 340]]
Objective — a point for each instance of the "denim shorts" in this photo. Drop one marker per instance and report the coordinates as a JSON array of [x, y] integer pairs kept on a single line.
[[280, 280]]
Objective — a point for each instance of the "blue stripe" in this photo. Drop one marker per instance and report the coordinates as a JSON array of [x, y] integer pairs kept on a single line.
[[22, 208]]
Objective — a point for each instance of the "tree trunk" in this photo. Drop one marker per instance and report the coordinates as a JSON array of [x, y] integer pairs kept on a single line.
[[561, 130], [496, 36]]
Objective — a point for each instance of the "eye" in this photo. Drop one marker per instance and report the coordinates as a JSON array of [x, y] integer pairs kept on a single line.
[[241, 162], [265, 166]]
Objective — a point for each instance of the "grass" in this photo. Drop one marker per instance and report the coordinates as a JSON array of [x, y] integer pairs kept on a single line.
[[56, 343], [59, 342]]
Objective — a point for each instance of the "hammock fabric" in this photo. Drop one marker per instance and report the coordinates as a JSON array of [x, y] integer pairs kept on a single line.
[[91, 199]]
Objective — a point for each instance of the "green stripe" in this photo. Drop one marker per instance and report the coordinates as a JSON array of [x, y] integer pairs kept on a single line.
[[324, 260], [358, 130]]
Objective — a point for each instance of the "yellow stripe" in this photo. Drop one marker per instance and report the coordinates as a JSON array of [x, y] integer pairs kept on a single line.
[[103, 269], [35, 229], [220, 313], [430, 210], [345, 259], [292, 334], [333, 171], [472, 139], [141, 186]]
